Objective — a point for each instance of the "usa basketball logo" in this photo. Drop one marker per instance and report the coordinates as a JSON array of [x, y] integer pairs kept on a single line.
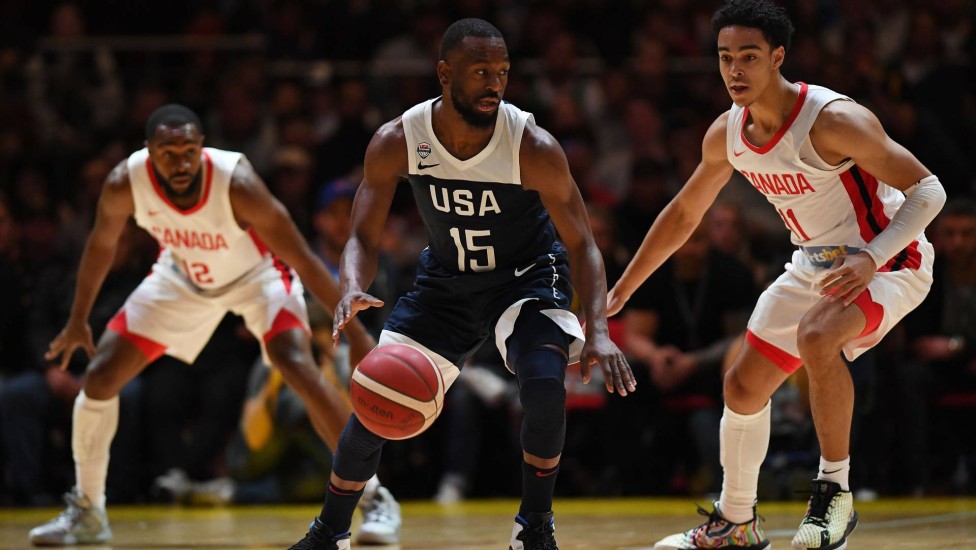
[[423, 150]]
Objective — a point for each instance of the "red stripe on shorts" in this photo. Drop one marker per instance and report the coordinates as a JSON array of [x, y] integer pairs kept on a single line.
[[285, 320], [786, 362], [873, 312], [150, 348]]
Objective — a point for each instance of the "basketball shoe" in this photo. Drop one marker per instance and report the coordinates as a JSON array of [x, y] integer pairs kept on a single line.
[[80, 523], [829, 520], [718, 532], [381, 518], [534, 532], [320, 537]]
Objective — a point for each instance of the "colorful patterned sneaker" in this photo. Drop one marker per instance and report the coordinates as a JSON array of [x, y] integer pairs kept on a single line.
[[718, 532], [80, 523], [381, 518], [829, 520], [320, 537], [534, 532]]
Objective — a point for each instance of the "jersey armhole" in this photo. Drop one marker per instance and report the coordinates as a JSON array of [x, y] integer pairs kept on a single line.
[[523, 120]]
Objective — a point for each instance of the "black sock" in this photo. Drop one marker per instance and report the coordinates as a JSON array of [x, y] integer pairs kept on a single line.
[[537, 487], [338, 509]]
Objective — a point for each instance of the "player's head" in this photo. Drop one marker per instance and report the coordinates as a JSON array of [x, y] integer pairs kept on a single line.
[[956, 230], [473, 70], [174, 137], [753, 37]]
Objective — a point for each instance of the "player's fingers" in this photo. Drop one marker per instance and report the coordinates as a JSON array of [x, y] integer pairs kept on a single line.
[[618, 380], [90, 349], [626, 374], [853, 294], [66, 358], [585, 372]]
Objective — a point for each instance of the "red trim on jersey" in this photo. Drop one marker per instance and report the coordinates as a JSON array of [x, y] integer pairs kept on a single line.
[[150, 348], [873, 312], [285, 320], [206, 186], [281, 266], [782, 130], [862, 189], [786, 362]]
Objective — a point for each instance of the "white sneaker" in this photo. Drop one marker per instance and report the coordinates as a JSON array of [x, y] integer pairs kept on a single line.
[[451, 489], [381, 518], [80, 523], [829, 520]]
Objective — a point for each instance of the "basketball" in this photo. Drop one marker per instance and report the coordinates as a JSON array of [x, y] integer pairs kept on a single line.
[[397, 391]]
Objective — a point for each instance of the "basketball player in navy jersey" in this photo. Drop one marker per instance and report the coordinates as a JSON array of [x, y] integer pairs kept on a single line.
[[221, 235], [492, 188], [856, 204]]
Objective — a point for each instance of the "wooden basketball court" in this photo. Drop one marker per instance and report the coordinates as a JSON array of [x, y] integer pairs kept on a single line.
[[622, 524]]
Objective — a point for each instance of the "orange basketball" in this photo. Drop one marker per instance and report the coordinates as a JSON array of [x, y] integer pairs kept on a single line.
[[397, 391]]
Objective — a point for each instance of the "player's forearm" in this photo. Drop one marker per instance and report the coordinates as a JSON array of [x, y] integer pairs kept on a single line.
[[671, 229], [923, 202], [358, 266], [590, 282], [96, 261]]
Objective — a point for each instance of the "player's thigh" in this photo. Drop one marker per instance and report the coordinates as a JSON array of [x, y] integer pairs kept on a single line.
[[272, 303]]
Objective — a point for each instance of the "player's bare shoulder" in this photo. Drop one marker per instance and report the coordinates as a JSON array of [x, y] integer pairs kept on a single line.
[[117, 190], [841, 128], [713, 144], [540, 157], [386, 154]]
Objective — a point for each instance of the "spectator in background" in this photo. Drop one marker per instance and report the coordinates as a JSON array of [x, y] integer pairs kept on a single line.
[[647, 194], [679, 327], [291, 183], [938, 389], [37, 402]]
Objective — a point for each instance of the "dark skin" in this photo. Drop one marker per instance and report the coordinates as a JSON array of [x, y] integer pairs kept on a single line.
[[477, 73], [176, 154]]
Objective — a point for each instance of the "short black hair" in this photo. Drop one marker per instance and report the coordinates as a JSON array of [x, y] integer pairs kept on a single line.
[[459, 30], [764, 15], [959, 207], [172, 114]]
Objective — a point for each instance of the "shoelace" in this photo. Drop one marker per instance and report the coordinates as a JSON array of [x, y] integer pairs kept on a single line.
[[541, 534], [818, 508], [379, 509]]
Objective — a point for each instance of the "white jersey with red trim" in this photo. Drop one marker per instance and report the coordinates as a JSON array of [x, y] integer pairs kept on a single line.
[[828, 209], [204, 242]]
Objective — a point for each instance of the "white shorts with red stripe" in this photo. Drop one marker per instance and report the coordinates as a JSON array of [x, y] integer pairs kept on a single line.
[[167, 314], [889, 297]]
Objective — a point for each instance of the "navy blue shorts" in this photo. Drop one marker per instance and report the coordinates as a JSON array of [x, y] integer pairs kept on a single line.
[[453, 314]]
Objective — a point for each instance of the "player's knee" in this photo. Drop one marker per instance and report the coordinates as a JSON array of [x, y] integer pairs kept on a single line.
[[291, 360], [358, 455], [544, 421], [814, 341], [104, 380]]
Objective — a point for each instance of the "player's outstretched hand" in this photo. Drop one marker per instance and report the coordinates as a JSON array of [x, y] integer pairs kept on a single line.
[[848, 277], [600, 350], [71, 337], [347, 308]]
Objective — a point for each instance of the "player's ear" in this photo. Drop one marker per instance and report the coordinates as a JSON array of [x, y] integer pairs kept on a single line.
[[443, 72], [779, 54]]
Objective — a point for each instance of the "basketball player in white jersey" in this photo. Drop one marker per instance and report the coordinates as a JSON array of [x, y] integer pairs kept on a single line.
[[492, 189], [856, 204], [217, 225]]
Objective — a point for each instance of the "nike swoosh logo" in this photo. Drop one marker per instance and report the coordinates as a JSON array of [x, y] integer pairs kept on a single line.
[[520, 272], [547, 474], [832, 471], [153, 212], [422, 166], [738, 153]]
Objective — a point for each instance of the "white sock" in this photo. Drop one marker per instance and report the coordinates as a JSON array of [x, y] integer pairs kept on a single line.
[[371, 486], [838, 472], [93, 427], [744, 440]]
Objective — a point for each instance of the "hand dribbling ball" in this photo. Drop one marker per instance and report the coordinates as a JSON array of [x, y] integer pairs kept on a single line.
[[397, 391]]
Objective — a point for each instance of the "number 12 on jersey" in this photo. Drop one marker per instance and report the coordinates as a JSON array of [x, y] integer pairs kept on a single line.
[[467, 246]]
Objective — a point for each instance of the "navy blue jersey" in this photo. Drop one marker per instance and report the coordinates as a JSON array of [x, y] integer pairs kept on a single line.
[[477, 215]]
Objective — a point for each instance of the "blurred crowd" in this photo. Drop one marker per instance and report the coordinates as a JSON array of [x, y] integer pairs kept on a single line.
[[628, 89]]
